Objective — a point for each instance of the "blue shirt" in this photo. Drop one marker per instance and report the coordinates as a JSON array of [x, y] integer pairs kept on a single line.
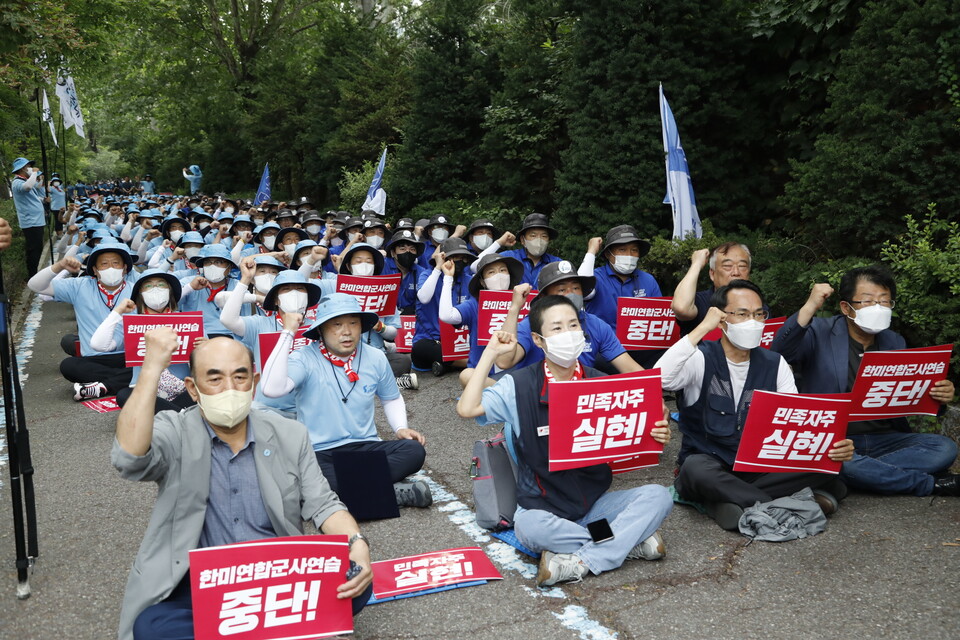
[[29, 205], [253, 326], [194, 182], [428, 314], [335, 410], [58, 198], [609, 287], [424, 260], [90, 307], [149, 187], [198, 301], [530, 271], [469, 313], [235, 510], [599, 336]]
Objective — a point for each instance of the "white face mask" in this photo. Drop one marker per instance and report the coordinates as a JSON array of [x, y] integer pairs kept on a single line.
[[264, 282], [292, 301], [290, 249], [497, 282], [269, 242], [362, 269], [227, 408], [258, 221], [191, 252], [375, 241], [481, 242], [564, 348], [536, 247], [203, 225], [228, 210], [313, 229], [156, 298], [176, 235], [335, 242], [214, 274], [439, 235], [874, 319], [625, 265], [745, 335], [110, 277], [352, 236]]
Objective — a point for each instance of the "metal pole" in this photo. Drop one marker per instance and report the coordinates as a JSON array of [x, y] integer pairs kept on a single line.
[[46, 174]]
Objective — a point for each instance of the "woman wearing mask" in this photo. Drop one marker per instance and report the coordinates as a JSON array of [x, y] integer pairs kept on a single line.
[[312, 223], [108, 282], [154, 293], [287, 241], [374, 233], [494, 273], [438, 229]]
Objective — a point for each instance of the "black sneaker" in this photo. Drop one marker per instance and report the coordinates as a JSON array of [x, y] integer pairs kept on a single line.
[[947, 485], [408, 381], [412, 494], [88, 391], [727, 514], [438, 368]]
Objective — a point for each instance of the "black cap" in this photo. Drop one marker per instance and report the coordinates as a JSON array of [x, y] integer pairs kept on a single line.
[[555, 272], [406, 235], [625, 234], [452, 247], [538, 221], [514, 266]]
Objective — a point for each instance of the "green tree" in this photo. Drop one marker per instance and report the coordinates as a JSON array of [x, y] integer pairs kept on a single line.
[[892, 141]]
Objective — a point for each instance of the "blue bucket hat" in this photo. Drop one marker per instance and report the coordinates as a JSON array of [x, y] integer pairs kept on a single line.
[[172, 282], [20, 163], [190, 237], [109, 245], [214, 251], [339, 304], [361, 246], [258, 235], [269, 260], [303, 245], [291, 276]]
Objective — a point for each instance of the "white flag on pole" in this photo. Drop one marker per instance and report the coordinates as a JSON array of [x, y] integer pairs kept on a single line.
[[48, 118], [70, 104]]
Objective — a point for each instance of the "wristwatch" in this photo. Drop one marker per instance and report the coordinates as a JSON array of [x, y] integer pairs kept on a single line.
[[355, 537]]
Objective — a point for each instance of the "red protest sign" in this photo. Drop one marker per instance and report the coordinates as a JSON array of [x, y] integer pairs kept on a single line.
[[454, 341], [492, 309], [404, 339], [770, 329], [646, 323], [431, 570], [187, 324], [792, 432], [272, 589], [602, 420], [266, 342], [891, 384], [377, 294], [102, 405]]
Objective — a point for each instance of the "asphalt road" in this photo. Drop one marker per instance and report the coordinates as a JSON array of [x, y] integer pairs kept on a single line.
[[883, 569]]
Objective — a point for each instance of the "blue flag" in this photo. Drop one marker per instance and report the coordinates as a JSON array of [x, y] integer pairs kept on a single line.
[[376, 196], [679, 187], [263, 191]]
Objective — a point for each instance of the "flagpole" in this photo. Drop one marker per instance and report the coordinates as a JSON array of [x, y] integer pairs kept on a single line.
[[46, 174]]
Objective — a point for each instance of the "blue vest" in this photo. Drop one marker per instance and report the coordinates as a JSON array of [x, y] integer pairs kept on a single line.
[[568, 494], [713, 424]]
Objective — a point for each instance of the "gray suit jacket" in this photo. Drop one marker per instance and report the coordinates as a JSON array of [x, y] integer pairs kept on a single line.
[[292, 486]]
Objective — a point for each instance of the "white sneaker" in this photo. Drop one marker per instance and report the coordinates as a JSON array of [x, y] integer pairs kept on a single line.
[[650, 549], [408, 381], [560, 567], [88, 390]]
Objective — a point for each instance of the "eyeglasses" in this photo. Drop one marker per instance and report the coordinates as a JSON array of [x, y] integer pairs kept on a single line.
[[156, 285], [890, 304], [730, 266], [743, 314]]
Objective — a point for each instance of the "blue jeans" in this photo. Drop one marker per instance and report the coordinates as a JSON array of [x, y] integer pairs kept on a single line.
[[901, 463], [633, 514]]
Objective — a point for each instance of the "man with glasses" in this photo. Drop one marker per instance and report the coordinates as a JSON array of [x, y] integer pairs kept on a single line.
[[715, 381], [825, 353], [729, 261]]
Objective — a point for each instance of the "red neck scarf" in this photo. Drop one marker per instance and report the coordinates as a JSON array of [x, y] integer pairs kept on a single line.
[[111, 295], [214, 292], [336, 361], [548, 376]]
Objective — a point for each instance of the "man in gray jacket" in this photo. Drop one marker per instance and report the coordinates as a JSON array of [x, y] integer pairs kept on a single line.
[[225, 474]]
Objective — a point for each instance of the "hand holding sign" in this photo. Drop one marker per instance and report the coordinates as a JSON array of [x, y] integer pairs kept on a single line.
[[942, 391]]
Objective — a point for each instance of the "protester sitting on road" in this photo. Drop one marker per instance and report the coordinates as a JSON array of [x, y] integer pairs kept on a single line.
[[402, 252], [495, 273], [214, 263], [201, 459], [108, 281], [826, 353], [334, 381], [559, 278], [156, 292], [427, 349], [716, 381], [729, 261], [554, 507]]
